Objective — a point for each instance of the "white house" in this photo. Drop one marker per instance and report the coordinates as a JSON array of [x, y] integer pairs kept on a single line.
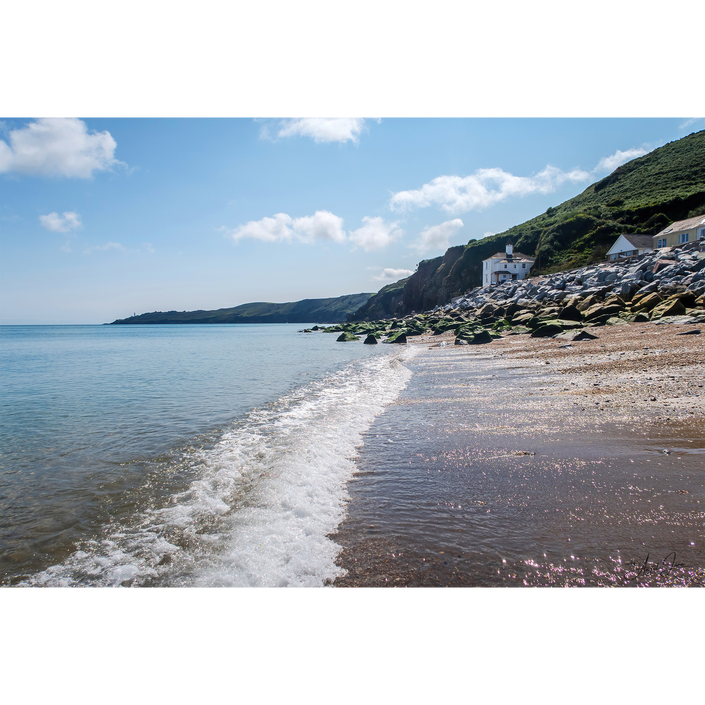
[[505, 266], [629, 245]]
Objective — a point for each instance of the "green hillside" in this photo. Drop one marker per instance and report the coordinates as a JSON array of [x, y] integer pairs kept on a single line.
[[306, 311], [641, 196]]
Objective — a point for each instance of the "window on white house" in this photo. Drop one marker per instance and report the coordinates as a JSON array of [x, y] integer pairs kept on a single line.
[[505, 266], [661, 242], [701, 234], [683, 237], [523, 266]]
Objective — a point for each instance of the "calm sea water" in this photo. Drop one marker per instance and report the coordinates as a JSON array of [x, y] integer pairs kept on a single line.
[[181, 455]]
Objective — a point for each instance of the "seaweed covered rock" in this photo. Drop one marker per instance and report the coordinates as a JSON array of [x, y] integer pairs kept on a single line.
[[345, 338], [399, 337]]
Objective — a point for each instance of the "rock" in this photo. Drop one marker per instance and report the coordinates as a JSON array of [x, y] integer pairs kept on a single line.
[[481, 338], [370, 340], [547, 330], [690, 332], [601, 310], [345, 338], [461, 341], [523, 317], [670, 307], [634, 317], [519, 330], [570, 313], [646, 303], [686, 297], [577, 335], [661, 264], [397, 338], [587, 303]]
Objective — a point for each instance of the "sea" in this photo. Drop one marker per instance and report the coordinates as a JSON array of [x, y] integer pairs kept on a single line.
[[182, 455]]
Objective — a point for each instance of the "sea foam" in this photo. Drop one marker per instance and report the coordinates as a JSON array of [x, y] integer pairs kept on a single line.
[[265, 500]]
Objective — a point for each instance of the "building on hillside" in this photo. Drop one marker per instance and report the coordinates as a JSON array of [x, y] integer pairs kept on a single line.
[[505, 266], [629, 245], [681, 232]]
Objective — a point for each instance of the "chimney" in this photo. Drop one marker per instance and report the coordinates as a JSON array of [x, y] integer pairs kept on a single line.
[[510, 249]]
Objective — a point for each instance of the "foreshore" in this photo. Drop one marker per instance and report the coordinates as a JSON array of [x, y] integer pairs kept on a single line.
[[537, 461]]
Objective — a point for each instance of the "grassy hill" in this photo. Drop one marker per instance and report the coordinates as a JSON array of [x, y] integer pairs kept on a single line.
[[641, 196], [306, 311]]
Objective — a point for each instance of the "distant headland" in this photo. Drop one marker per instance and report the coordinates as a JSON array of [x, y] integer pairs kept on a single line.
[[306, 311]]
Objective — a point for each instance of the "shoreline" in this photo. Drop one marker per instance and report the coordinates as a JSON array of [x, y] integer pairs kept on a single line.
[[571, 423]]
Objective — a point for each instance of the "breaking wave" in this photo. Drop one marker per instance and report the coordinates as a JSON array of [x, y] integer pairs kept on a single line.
[[264, 500]]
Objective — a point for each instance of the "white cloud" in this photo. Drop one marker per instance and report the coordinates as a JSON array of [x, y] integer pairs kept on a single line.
[[690, 121], [274, 229], [486, 187], [61, 223], [609, 164], [321, 226], [435, 237], [375, 234], [320, 129], [57, 147], [391, 274]]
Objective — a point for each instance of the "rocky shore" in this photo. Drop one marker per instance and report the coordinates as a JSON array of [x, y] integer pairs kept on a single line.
[[665, 286]]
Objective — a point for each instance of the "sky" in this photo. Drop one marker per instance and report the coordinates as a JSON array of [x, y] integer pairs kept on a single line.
[[103, 218]]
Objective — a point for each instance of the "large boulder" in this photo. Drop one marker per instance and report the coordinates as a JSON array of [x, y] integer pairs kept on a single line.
[[600, 311], [587, 302], [370, 339], [345, 338], [547, 331], [480, 338], [670, 307], [646, 303], [570, 313]]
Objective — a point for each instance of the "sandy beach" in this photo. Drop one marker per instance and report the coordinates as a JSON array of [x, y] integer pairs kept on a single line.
[[533, 461]]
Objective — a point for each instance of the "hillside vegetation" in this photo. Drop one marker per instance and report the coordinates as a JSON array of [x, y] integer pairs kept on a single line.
[[306, 311], [641, 196]]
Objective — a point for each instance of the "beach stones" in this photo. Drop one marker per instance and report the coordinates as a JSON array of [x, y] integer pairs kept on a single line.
[[370, 340]]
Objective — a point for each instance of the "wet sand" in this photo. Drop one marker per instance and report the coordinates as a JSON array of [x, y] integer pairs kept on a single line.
[[526, 462]]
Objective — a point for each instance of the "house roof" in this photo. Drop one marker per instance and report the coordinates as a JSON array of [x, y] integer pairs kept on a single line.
[[516, 257], [681, 225], [640, 241]]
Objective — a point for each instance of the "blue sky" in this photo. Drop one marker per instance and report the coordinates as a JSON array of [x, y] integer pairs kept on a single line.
[[100, 218]]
